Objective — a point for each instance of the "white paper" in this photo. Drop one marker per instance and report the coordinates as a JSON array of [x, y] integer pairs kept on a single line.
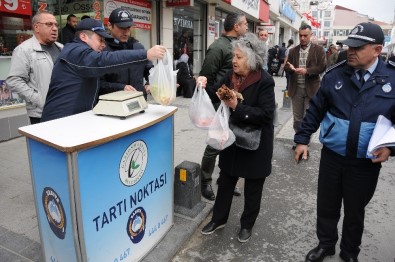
[[383, 135]]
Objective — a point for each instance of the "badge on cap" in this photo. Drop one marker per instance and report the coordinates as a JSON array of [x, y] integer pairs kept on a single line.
[[387, 88], [338, 85]]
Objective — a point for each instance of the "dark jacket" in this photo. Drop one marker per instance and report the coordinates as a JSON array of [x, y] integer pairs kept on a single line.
[[68, 33], [257, 109], [348, 111], [74, 83], [218, 60], [133, 75], [183, 73], [315, 65]]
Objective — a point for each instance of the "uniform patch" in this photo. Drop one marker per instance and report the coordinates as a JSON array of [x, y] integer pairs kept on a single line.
[[338, 85], [386, 88]]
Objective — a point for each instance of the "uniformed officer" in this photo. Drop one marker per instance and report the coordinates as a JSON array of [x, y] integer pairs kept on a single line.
[[351, 97]]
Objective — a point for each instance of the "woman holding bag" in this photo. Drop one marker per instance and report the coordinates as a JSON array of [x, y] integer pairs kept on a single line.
[[254, 110]]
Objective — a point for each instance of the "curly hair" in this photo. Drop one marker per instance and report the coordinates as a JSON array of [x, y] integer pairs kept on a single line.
[[253, 48]]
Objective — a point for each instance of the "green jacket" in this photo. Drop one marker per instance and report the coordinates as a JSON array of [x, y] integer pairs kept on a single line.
[[218, 60]]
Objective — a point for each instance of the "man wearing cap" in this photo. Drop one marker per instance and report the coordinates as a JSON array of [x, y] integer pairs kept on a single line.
[[351, 97], [132, 78], [74, 85]]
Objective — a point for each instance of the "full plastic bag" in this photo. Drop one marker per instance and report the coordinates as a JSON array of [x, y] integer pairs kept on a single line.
[[219, 135], [163, 80], [201, 110]]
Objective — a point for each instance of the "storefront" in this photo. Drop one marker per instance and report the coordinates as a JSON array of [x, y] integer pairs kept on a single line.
[[188, 32]]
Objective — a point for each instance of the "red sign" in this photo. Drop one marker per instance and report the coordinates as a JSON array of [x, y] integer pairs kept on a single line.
[[172, 3], [22, 7], [227, 1], [264, 11]]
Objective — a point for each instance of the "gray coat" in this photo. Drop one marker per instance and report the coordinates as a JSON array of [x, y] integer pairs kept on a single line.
[[30, 74]]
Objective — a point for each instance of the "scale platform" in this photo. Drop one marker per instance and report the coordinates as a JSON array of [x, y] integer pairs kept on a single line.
[[121, 104]]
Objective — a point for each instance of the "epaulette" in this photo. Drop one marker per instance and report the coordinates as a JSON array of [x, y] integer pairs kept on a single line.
[[335, 65], [391, 63]]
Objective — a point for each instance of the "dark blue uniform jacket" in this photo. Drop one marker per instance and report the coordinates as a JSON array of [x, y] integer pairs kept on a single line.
[[347, 112], [75, 77]]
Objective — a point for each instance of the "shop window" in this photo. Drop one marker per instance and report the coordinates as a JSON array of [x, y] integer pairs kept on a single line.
[[188, 25]]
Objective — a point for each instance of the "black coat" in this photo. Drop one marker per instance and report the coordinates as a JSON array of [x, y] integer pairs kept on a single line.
[[68, 34], [257, 109]]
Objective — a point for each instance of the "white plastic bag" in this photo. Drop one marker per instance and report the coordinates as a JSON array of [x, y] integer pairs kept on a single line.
[[201, 110], [163, 80], [219, 135]]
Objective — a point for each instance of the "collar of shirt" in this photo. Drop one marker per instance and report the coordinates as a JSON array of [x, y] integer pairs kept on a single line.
[[307, 46], [369, 71]]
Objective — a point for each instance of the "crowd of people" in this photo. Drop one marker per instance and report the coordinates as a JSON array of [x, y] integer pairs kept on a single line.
[[341, 92]]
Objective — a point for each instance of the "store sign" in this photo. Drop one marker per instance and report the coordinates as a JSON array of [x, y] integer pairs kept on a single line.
[[140, 10], [269, 28], [250, 7], [176, 3], [227, 1], [287, 11], [22, 7], [181, 22]]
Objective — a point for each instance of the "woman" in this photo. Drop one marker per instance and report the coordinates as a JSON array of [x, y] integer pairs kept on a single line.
[[185, 79], [257, 109]]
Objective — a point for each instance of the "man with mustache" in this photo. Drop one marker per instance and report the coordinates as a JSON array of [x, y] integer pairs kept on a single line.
[[352, 95]]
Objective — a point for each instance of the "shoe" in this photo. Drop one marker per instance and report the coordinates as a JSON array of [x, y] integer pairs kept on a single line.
[[293, 147], [210, 228], [345, 258], [237, 191], [207, 192], [244, 235], [318, 254]]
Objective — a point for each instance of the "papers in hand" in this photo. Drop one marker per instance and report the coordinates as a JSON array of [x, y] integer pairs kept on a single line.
[[383, 135]]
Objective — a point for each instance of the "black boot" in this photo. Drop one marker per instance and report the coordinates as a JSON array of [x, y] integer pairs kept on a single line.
[[207, 192]]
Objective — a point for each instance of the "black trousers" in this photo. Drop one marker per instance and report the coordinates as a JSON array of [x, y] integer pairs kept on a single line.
[[252, 200], [352, 181], [34, 120]]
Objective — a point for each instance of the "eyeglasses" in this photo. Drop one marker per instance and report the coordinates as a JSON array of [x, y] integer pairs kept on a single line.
[[49, 24]]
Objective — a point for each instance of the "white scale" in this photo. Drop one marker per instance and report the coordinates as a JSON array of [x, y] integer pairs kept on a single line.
[[121, 103]]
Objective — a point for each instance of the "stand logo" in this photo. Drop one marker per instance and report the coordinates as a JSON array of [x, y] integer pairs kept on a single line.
[[133, 163], [136, 225], [55, 212]]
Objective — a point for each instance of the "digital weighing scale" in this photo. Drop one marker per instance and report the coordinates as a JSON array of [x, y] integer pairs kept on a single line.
[[121, 103]]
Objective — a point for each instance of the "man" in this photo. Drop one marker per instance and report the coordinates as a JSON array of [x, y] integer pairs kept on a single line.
[[263, 35], [342, 53], [305, 63], [131, 78], [352, 96], [74, 84], [68, 31], [333, 56], [32, 63], [217, 62]]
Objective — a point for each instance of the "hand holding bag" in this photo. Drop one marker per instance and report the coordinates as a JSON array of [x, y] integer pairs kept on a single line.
[[163, 80], [219, 135], [201, 110], [247, 136]]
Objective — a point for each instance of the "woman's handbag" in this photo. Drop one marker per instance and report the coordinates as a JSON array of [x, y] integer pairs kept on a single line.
[[247, 136]]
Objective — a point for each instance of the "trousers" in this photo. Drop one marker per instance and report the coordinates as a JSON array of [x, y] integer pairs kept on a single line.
[[353, 182], [252, 200], [208, 164], [300, 103]]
